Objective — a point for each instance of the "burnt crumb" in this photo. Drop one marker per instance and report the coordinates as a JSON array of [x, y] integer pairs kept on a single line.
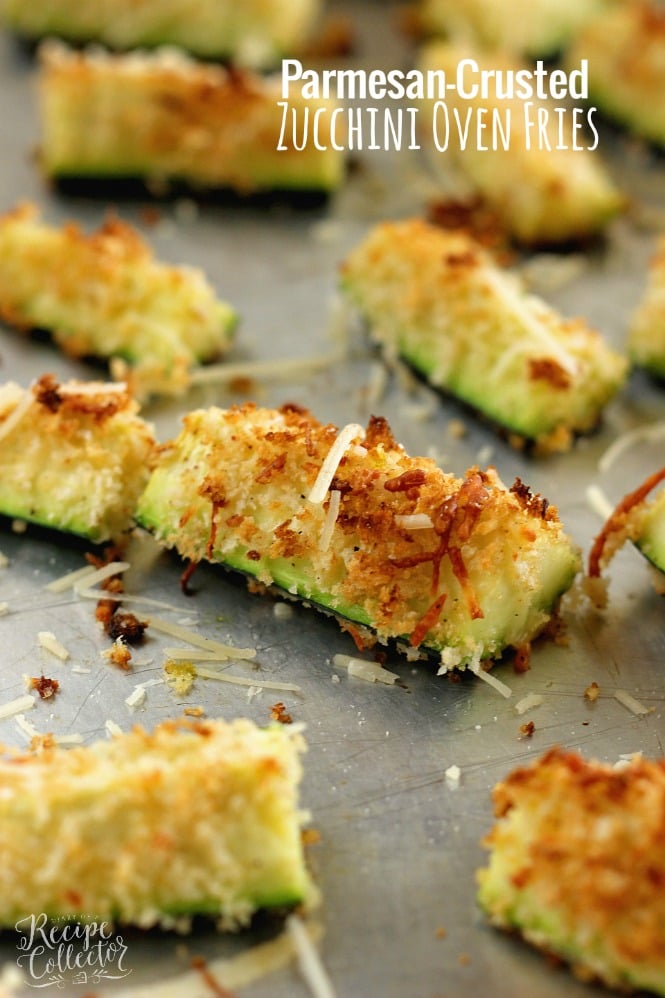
[[279, 713], [127, 627], [534, 504], [45, 687], [527, 729], [46, 392]]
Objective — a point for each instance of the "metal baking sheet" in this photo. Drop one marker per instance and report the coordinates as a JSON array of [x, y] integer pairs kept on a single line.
[[399, 846]]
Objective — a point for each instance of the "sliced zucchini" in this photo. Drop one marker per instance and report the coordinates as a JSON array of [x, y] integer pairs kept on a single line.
[[144, 829], [462, 568], [576, 865], [646, 334], [167, 120], [254, 32], [535, 29], [438, 299], [73, 457], [105, 296], [625, 48], [637, 518], [541, 189]]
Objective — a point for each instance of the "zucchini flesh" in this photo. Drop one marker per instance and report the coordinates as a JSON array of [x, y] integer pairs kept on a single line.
[[189, 819], [437, 298], [459, 568]]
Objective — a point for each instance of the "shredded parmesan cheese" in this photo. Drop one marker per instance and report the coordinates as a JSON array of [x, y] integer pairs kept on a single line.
[[647, 434], [309, 961], [100, 575], [331, 463], [48, 641], [629, 701], [453, 775], [112, 728], [273, 369], [26, 727], [4, 560], [68, 581], [414, 521], [26, 702], [224, 677], [598, 502], [191, 637], [4, 608], [331, 520], [491, 680], [17, 414], [527, 702], [372, 672], [136, 697]]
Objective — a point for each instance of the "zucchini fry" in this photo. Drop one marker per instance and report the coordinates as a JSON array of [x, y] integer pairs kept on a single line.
[[533, 28], [254, 32], [542, 190], [646, 333], [191, 819], [168, 121], [625, 47], [105, 296], [637, 518], [577, 865], [437, 299], [461, 568], [73, 457]]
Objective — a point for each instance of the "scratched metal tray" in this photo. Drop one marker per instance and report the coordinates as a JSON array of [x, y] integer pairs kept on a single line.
[[398, 843]]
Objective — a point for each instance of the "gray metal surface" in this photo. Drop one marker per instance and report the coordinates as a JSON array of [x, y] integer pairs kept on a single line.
[[399, 845]]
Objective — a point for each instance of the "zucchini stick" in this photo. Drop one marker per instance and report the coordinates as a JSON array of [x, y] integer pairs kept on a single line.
[[254, 32], [73, 456], [168, 121], [576, 865], [153, 828], [104, 295], [437, 298], [460, 568], [646, 333]]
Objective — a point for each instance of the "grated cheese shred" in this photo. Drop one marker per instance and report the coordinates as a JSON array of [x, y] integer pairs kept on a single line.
[[631, 703], [330, 465], [48, 641], [224, 651]]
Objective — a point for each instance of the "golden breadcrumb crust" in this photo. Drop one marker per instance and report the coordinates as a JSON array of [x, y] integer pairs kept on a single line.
[[195, 817], [234, 488], [76, 459], [441, 301], [105, 295]]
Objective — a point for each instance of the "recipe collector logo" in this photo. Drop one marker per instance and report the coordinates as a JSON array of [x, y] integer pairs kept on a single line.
[[396, 109], [56, 953]]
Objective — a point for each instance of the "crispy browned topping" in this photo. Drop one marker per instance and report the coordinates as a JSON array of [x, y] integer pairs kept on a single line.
[[533, 503], [547, 369], [127, 627], [527, 729], [278, 712]]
